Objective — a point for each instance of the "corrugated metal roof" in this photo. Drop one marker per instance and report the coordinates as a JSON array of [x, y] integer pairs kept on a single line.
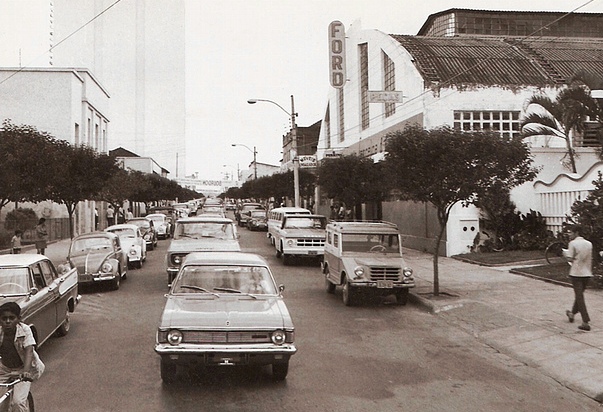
[[504, 61]]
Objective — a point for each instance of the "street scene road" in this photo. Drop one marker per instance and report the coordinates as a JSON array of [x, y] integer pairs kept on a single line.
[[376, 356]]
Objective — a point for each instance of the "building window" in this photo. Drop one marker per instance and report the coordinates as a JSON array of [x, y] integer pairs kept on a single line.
[[328, 127], [389, 82], [76, 134], [504, 122], [364, 85], [341, 115]]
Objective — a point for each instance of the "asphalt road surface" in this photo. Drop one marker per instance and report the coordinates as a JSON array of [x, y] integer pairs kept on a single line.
[[375, 357]]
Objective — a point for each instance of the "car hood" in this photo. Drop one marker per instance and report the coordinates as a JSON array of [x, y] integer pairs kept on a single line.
[[375, 259], [127, 243], [213, 312], [91, 261], [314, 233], [203, 245]]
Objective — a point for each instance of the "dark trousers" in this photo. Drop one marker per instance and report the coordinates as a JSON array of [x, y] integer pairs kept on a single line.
[[579, 285]]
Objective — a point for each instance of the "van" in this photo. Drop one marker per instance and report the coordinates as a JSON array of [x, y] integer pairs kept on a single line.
[[276, 216]]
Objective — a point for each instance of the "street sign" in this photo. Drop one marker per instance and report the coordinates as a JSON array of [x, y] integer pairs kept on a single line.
[[384, 96], [307, 161]]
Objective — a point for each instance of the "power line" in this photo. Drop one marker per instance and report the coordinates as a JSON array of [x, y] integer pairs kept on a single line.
[[63, 40]]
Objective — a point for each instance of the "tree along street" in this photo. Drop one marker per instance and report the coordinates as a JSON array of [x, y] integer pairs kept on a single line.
[[373, 357]]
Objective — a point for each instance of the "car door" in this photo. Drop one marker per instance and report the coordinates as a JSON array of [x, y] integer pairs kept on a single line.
[[120, 255], [41, 308]]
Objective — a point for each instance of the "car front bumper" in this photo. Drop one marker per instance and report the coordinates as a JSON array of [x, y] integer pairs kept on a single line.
[[226, 354], [95, 277]]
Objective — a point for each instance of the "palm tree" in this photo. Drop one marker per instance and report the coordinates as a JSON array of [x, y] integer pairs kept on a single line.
[[563, 117]]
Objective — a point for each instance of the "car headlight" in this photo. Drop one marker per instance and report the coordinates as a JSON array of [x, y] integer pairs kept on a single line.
[[278, 337], [177, 259], [132, 251], [290, 242], [174, 337], [147, 236], [107, 267], [359, 271], [407, 272]]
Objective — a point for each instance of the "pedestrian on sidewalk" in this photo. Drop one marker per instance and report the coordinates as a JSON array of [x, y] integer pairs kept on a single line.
[[41, 236], [110, 216], [579, 255], [16, 242]]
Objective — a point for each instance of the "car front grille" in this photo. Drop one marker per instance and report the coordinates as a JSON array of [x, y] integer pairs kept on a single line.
[[385, 273], [309, 242], [203, 337]]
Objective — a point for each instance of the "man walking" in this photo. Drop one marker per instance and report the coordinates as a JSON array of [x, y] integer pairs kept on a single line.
[[579, 255], [110, 216]]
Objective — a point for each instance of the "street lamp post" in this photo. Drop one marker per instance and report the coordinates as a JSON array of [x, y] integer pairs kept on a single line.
[[255, 152], [293, 142]]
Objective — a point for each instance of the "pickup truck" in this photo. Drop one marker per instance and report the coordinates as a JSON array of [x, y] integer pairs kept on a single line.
[[47, 295]]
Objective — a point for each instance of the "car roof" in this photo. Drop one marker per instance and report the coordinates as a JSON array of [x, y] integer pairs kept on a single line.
[[363, 227], [304, 216], [224, 258], [23, 259], [205, 219], [291, 209], [155, 214], [122, 226], [96, 234]]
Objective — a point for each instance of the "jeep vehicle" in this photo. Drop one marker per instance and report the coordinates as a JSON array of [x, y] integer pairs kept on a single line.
[[365, 257]]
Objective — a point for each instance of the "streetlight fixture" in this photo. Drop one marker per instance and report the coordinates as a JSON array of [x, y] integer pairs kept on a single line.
[[255, 152], [293, 142]]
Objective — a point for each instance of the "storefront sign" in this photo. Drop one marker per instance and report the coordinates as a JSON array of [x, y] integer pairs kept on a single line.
[[307, 161], [384, 97], [337, 54]]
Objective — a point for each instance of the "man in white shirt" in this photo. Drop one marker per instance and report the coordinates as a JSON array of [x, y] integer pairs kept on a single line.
[[579, 255]]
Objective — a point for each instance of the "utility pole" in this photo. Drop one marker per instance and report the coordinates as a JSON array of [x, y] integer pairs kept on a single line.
[[294, 153]]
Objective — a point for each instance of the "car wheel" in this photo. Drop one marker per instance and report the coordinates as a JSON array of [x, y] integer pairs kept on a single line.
[[329, 286], [115, 282], [278, 253], [287, 259], [348, 294], [139, 264], [125, 273], [168, 371], [402, 296], [279, 371], [65, 326], [151, 246]]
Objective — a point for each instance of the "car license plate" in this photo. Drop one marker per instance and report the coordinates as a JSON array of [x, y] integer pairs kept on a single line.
[[385, 284], [227, 359], [312, 252]]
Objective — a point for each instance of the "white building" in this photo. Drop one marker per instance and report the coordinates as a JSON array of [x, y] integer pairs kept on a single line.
[[467, 69]]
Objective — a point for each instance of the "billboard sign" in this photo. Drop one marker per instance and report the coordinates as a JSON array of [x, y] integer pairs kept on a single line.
[[307, 161], [337, 54]]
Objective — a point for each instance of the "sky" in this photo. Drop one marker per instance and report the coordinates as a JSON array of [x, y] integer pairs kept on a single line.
[[274, 49]]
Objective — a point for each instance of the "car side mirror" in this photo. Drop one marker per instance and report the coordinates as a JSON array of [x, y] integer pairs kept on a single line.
[[281, 288], [33, 291]]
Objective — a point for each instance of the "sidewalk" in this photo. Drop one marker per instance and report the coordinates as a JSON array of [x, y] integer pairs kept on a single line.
[[521, 317]]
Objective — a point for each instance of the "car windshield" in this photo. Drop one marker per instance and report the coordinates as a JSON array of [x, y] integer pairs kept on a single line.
[[199, 230], [157, 219], [305, 222], [224, 279], [375, 242], [14, 280], [140, 223], [124, 232], [85, 245]]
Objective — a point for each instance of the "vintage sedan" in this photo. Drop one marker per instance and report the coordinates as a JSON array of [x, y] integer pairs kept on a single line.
[[256, 220], [46, 295], [147, 229], [225, 309], [162, 224], [200, 234], [132, 243], [99, 258]]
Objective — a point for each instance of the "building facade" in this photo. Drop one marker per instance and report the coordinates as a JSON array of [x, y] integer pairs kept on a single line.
[[466, 79]]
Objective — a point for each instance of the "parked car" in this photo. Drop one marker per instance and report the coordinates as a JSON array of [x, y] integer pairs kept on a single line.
[[46, 295], [200, 234], [162, 225], [366, 257], [300, 235], [256, 220], [170, 212], [99, 258], [147, 229], [225, 309], [245, 207], [132, 243]]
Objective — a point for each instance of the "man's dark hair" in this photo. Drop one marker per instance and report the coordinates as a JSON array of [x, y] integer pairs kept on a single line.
[[12, 307], [576, 229]]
